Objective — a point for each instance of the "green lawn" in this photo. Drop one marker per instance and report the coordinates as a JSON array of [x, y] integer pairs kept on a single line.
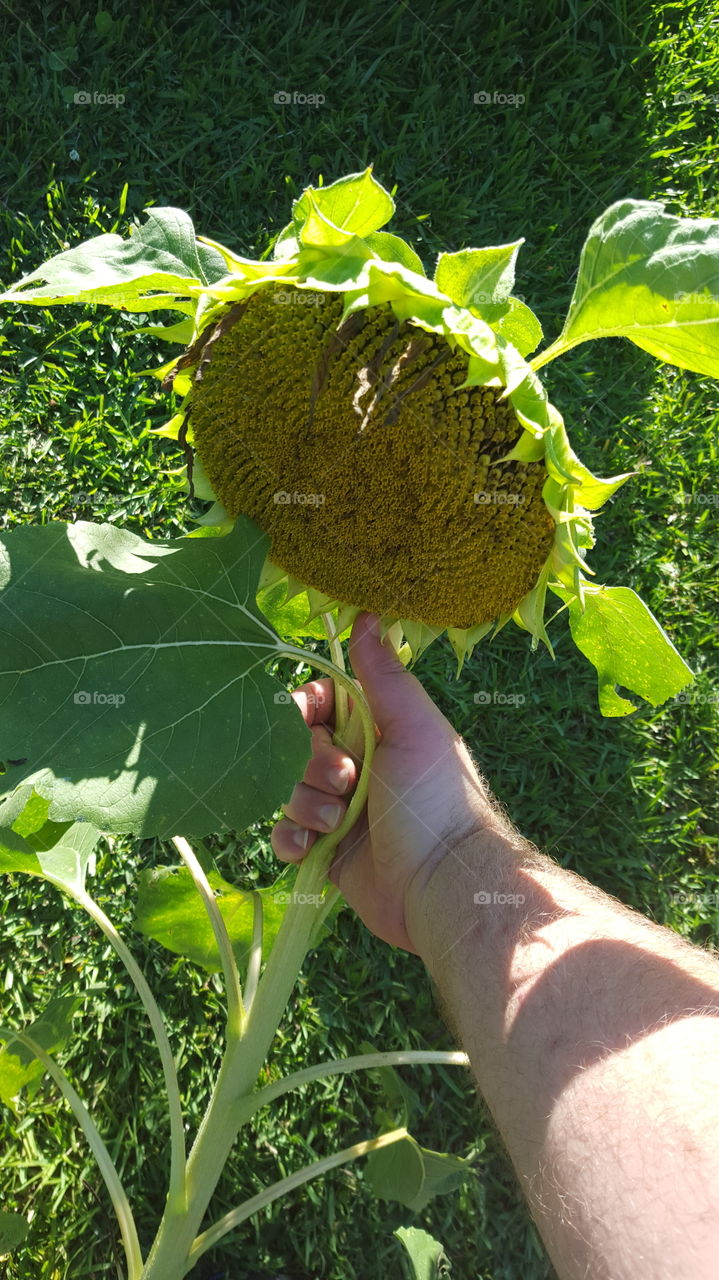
[[620, 99]]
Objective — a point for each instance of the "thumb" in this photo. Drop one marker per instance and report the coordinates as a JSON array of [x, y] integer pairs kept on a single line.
[[399, 704]]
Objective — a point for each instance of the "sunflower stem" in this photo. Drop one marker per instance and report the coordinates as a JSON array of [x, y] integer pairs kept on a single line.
[[338, 657], [248, 1043], [233, 990]]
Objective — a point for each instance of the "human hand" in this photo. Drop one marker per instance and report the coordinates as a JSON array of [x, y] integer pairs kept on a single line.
[[424, 797]]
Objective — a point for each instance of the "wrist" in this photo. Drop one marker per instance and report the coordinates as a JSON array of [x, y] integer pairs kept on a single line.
[[455, 877]]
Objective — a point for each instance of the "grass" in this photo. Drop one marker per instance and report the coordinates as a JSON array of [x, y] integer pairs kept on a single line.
[[628, 803]]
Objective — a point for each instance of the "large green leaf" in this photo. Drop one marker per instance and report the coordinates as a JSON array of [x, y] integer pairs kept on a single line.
[[624, 641], [426, 1255], [170, 910], [161, 261], [18, 1065], [132, 679], [58, 852], [412, 1175], [13, 1229], [650, 277]]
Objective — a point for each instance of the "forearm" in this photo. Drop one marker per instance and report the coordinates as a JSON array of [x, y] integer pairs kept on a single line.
[[594, 1037]]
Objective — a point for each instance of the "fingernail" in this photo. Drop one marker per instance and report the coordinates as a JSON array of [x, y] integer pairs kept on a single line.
[[300, 837], [330, 815], [339, 779], [373, 624]]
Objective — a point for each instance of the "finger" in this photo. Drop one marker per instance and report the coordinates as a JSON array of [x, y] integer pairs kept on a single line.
[[330, 768], [314, 809], [316, 701], [399, 703], [291, 842]]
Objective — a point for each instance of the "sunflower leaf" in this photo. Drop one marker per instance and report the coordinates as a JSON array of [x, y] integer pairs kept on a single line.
[[426, 1255], [520, 326], [170, 910], [58, 852], [13, 1230], [413, 1175], [352, 206], [18, 1065], [623, 640], [479, 278], [132, 679], [160, 262], [650, 277]]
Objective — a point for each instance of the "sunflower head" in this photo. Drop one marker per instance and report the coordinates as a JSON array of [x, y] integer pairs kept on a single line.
[[381, 479], [385, 430]]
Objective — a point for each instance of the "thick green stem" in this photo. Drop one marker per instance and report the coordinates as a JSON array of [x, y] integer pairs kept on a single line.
[[120, 1202], [248, 1045]]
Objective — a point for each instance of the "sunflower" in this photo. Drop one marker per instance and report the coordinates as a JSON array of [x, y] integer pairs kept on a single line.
[[386, 432]]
